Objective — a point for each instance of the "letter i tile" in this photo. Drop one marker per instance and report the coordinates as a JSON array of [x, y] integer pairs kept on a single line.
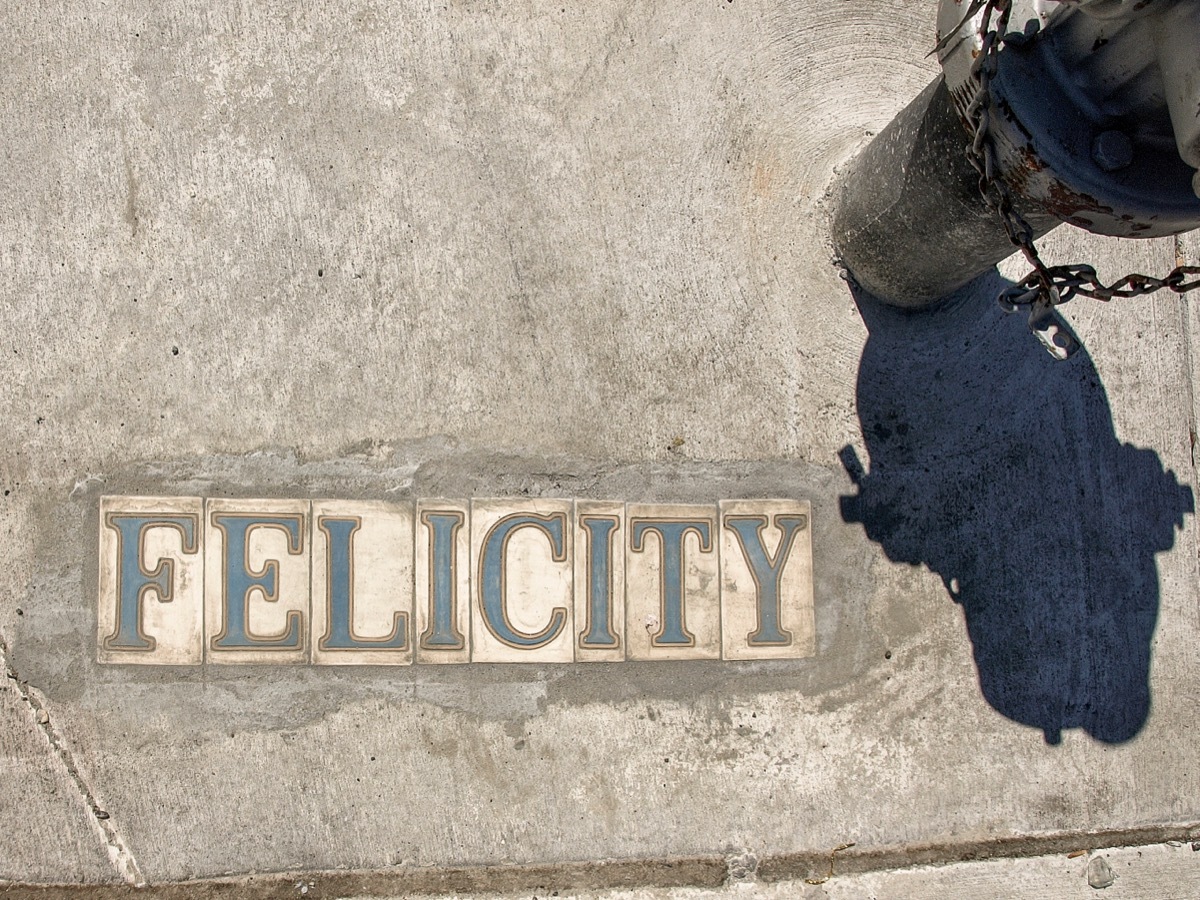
[[151, 581], [599, 581], [362, 583], [257, 581], [523, 605], [442, 559], [672, 582], [767, 579]]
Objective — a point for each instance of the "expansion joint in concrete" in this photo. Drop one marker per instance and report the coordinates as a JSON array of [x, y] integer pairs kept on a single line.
[[737, 867], [1189, 356], [119, 853]]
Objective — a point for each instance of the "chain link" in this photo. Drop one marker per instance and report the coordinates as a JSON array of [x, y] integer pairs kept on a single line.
[[1046, 286]]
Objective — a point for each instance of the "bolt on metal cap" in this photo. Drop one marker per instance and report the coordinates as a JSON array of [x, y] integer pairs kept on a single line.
[[1112, 150]]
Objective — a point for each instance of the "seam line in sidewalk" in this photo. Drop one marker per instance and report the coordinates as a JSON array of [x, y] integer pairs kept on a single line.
[[119, 854], [710, 871]]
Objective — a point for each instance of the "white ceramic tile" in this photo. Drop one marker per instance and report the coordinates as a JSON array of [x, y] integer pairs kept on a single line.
[[257, 581], [767, 584], [150, 555], [672, 579], [600, 537], [442, 561], [523, 607], [362, 583]]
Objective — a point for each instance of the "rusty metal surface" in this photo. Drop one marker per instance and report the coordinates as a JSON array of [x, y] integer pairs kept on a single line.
[[1066, 75]]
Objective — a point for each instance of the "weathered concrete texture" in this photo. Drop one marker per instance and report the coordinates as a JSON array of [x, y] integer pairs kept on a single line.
[[1187, 252], [48, 831], [1165, 872], [398, 250], [1159, 872], [580, 214]]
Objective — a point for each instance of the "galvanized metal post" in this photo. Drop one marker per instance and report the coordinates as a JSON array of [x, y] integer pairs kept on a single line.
[[910, 224]]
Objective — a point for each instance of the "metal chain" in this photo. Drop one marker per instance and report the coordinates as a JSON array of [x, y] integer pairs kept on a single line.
[[1046, 286]]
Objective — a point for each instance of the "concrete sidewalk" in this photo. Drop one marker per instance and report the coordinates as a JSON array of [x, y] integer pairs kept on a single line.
[[371, 251], [1166, 871], [1157, 872]]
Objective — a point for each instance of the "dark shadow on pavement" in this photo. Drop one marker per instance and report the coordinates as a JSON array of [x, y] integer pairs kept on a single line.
[[998, 467]]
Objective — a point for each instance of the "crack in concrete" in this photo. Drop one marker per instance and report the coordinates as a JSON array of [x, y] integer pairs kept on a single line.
[[119, 854]]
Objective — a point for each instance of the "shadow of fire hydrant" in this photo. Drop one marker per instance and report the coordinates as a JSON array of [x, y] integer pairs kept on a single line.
[[999, 468]]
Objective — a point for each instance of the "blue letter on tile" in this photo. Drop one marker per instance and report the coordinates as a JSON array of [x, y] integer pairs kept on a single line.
[[493, 590], [671, 536], [339, 594], [134, 582], [766, 571], [600, 533], [442, 633], [240, 580]]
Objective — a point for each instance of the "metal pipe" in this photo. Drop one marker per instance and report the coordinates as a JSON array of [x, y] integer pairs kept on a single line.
[[910, 225]]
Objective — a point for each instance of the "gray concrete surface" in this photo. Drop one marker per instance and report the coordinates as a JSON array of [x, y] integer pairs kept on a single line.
[[471, 249], [1157, 872]]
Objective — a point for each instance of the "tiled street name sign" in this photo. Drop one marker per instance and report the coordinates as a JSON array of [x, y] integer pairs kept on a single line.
[[184, 581]]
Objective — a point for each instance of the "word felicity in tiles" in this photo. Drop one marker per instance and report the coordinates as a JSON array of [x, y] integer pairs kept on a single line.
[[184, 580]]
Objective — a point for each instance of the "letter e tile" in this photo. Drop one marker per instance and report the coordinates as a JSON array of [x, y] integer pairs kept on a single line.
[[767, 579], [523, 605], [671, 581], [151, 581], [362, 583], [257, 581]]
